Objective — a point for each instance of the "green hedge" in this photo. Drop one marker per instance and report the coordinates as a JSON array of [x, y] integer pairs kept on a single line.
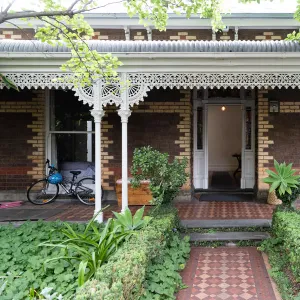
[[286, 227], [124, 275]]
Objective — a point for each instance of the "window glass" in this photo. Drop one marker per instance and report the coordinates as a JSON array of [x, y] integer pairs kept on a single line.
[[248, 133], [199, 128], [69, 114]]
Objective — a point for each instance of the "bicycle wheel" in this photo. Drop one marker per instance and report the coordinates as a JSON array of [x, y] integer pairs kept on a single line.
[[85, 191], [42, 192]]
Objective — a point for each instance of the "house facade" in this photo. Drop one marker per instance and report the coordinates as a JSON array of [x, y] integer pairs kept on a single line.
[[228, 101]]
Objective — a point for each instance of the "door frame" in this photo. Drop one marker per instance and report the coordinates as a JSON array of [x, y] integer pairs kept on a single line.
[[200, 157]]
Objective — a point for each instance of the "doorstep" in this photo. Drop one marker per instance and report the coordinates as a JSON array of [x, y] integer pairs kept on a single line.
[[226, 223]]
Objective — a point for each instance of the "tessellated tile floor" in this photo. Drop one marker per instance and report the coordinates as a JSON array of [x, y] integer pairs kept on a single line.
[[226, 273]]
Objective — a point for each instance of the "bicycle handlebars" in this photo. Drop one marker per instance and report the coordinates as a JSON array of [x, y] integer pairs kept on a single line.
[[50, 166]]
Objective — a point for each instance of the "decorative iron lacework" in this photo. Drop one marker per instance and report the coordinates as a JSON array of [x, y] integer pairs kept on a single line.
[[39, 80], [140, 83], [211, 80]]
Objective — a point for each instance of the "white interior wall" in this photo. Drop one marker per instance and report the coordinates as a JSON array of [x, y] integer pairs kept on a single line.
[[224, 137]]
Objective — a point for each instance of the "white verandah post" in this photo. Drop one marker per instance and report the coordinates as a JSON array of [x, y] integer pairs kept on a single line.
[[124, 112], [97, 112]]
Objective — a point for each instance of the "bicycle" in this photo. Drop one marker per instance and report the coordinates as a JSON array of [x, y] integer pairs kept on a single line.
[[46, 190]]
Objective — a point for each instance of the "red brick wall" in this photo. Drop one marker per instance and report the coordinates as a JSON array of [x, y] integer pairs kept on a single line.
[[138, 34], [182, 34], [22, 138], [162, 121], [17, 34], [263, 34], [109, 34], [169, 34], [278, 133]]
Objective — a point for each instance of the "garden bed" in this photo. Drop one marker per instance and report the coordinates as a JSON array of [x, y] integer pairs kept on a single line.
[[283, 250], [145, 267], [22, 261]]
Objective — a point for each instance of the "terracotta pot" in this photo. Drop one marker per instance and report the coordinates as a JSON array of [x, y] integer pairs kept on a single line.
[[273, 200]]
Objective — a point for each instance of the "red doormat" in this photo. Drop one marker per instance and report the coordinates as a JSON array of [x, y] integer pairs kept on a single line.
[[226, 273], [4, 205]]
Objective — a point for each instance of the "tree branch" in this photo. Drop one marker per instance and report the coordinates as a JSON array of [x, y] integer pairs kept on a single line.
[[107, 4], [70, 40], [72, 5], [8, 6]]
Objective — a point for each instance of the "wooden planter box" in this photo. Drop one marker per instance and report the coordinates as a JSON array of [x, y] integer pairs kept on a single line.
[[138, 196]]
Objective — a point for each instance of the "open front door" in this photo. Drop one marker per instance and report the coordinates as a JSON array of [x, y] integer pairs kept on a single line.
[[248, 145], [201, 101], [200, 172]]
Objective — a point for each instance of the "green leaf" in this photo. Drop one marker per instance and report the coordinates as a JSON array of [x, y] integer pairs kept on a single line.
[[8, 82], [81, 272]]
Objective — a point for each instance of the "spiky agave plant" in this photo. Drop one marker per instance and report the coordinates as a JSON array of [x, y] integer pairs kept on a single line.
[[283, 181]]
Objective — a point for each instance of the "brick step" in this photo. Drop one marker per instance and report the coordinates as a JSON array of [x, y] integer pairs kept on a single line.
[[227, 236], [226, 223]]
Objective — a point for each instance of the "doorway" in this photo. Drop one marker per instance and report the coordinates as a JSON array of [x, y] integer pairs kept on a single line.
[[210, 136], [224, 139]]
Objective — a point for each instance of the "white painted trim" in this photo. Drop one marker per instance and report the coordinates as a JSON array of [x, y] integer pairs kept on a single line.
[[222, 63], [205, 132], [47, 125], [89, 141], [243, 20]]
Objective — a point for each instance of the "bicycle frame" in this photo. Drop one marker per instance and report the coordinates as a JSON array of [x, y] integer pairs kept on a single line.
[[68, 190]]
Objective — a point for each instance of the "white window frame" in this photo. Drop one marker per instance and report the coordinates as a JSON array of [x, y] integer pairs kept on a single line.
[[49, 113]]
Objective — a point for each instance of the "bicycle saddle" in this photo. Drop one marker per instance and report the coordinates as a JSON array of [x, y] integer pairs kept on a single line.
[[75, 172]]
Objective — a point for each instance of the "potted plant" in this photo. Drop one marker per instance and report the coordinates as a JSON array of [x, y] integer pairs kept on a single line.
[[165, 177], [284, 183]]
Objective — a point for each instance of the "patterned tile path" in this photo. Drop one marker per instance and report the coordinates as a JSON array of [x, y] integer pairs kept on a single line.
[[226, 273], [75, 211], [187, 211], [224, 210]]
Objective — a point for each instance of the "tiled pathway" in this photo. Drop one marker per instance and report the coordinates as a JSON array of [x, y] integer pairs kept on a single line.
[[76, 211], [226, 273], [224, 210]]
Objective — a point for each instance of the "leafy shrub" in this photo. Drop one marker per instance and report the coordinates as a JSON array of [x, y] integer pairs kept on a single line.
[[45, 294], [123, 277], [97, 243], [284, 182], [283, 250], [92, 248], [289, 199], [166, 178], [129, 222], [162, 277], [286, 226], [22, 261]]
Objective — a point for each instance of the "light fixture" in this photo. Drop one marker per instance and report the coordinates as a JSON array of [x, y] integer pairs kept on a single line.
[[274, 106], [223, 108]]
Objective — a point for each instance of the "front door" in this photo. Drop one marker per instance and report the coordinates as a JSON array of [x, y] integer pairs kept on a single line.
[[202, 100]]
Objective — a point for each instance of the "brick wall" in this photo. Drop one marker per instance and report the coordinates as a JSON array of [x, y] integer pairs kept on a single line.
[[169, 34], [138, 35], [162, 121], [184, 34], [263, 34], [278, 133], [109, 34], [17, 34], [225, 36], [22, 138]]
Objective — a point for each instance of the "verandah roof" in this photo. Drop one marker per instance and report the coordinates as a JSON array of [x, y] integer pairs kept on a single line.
[[19, 46]]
